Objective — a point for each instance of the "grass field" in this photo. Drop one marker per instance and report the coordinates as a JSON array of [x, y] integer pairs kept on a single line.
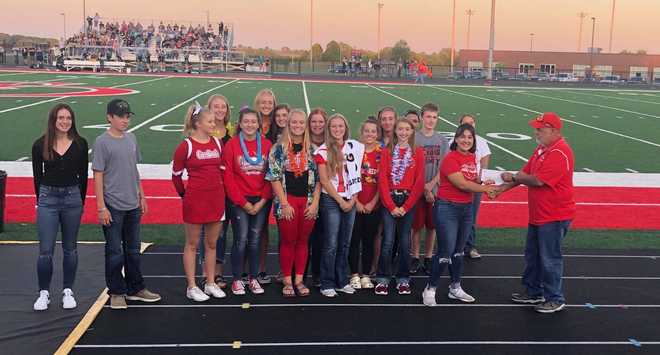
[[610, 130]]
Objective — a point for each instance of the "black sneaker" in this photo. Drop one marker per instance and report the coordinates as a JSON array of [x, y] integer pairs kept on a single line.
[[244, 277], [414, 266], [525, 298], [550, 307], [263, 278], [428, 266]]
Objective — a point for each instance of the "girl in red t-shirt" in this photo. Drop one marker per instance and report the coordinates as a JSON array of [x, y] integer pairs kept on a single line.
[[452, 213], [203, 196], [401, 183], [368, 216]]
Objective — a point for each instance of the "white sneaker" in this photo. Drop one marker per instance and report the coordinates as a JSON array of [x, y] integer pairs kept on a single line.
[[68, 302], [42, 302], [346, 289], [329, 292], [214, 290], [238, 287], [459, 294], [428, 296], [365, 282], [355, 282], [196, 294], [255, 287]]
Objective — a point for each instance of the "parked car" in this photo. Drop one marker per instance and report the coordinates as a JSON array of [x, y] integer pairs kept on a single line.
[[637, 80], [542, 76], [457, 75], [475, 74], [565, 78], [520, 76], [611, 79]]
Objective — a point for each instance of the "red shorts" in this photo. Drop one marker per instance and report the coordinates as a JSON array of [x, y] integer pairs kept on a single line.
[[203, 206], [423, 215]]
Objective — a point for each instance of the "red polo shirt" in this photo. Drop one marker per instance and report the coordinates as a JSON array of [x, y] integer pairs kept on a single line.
[[554, 167]]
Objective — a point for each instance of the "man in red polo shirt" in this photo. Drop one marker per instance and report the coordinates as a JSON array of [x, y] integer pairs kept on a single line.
[[549, 177]]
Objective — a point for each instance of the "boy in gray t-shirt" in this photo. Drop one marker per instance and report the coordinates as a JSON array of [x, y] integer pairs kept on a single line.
[[120, 202], [435, 148]]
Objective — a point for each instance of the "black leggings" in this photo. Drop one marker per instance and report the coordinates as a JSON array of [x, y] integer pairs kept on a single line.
[[364, 232]]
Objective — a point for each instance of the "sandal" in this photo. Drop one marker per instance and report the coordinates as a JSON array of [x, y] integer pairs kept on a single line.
[[287, 291], [302, 289]]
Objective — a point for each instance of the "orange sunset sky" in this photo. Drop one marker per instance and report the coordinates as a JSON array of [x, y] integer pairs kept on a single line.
[[425, 24]]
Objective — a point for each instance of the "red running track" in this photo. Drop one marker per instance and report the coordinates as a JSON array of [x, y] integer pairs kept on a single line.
[[598, 207]]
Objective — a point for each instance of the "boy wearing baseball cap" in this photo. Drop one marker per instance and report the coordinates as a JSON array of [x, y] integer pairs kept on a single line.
[[121, 203]]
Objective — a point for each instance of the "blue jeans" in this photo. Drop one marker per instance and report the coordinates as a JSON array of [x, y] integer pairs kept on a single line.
[[338, 226], [58, 208], [398, 228], [247, 233], [122, 251], [544, 263], [471, 240], [453, 222]]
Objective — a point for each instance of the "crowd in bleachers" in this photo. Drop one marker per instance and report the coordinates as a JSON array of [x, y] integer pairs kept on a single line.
[[135, 34]]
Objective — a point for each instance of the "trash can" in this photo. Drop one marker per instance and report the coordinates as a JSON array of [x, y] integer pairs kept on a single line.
[[3, 185]]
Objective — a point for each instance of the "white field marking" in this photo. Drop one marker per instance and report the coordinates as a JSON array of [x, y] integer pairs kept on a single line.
[[606, 204], [304, 87], [142, 82], [595, 116], [499, 168], [616, 97], [33, 104], [488, 277], [580, 179], [539, 113], [597, 256], [3, 74], [450, 123], [178, 105], [359, 86], [632, 170], [22, 158], [386, 87], [588, 170], [244, 82], [372, 344], [591, 104]]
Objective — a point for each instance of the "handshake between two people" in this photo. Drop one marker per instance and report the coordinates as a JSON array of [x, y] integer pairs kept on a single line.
[[493, 190]]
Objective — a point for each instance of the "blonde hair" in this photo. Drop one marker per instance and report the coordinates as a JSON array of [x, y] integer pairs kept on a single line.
[[370, 120], [261, 93], [190, 120], [395, 139], [335, 155], [286, 135], [224, 99]]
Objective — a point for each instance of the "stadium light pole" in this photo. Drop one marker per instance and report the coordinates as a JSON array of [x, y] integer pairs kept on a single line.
[[591, 54], [311, 33], [609, 49], [64, 24], [453, 36], [469, 13], [531, 43], [581, 15], [380, 8], [491, 42], [84, 18]]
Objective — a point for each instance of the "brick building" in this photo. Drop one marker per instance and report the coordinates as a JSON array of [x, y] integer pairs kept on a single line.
[[627, 66]]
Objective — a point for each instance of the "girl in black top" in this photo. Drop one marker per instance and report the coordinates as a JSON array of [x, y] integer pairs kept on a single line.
[[59, 166]]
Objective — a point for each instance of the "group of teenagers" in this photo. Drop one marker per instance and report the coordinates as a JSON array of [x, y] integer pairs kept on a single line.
[[347, 208]]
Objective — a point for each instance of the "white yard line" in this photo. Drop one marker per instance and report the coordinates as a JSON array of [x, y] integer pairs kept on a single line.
[[590, 104], [539, 113], [142, 124], [142, 82], [632, 170], [616, 97], [450, 123], [34, 104], [305, 96]]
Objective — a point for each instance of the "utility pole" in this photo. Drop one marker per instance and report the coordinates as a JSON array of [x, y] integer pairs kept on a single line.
[[380, 8], [591, 55], [491, 42], [531, 43], [609, 49], [84, 18], [469, 13], [64, 25], [453, 36], [311, 33], [581, 15]]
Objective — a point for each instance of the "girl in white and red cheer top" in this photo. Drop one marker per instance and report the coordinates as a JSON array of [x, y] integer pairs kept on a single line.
[[203, 196], [339, 160], [245, 160], [400, 183]]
